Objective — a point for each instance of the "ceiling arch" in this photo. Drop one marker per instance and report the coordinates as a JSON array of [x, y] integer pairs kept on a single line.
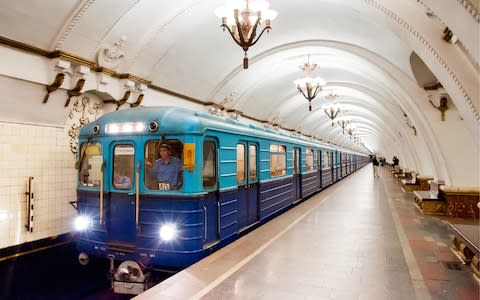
[[362, 48]]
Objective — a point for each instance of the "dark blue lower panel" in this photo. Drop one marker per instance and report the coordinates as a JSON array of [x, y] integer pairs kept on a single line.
[[310, 184], [275, 196], [326, 177]]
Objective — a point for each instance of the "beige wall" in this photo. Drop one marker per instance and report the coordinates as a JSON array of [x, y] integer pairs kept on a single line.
[[43, 153]]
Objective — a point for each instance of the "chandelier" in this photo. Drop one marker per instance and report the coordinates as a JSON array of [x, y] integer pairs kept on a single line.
[[343, 122], [332, 111], [351, 130], [308, 86], [330, 95], [241, 19]]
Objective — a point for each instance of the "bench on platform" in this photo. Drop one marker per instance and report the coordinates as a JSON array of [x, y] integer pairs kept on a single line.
[[405, 174], [431, 202], [396, 170], [462, 202], [466, 245], [419, 183]]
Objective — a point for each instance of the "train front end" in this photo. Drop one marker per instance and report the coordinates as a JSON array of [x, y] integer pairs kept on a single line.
[[124, 213]]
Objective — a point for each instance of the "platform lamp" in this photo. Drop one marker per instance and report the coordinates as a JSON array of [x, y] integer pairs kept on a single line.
[[332, 111], [308, 86], [241, 19]]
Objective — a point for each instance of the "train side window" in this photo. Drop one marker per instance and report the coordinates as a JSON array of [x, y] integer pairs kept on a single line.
[[240, 163], [163, 165], [326, 159], [123, 166], [91, 160], [209, 165], [309, 159], [278, 160]]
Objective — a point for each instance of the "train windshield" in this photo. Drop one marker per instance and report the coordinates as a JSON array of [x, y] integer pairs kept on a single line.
[[164, 165], [91, 160]]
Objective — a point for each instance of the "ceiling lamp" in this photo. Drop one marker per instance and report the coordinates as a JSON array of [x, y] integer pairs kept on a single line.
[[332, 111], [351, 130], [330, 95], [241, 19], [308, 86], [343, 122]]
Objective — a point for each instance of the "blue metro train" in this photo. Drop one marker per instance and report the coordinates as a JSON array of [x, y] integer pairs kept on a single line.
[[162, 187]]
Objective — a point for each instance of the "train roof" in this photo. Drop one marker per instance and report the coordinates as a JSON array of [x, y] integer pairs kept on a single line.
[[177, 120]]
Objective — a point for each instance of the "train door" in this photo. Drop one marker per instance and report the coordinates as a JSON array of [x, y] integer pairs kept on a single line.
[[120, 201], [211, 204], [252, 182], [341, 167], [297, 175], [247, 180], [319, 169], [332, 165]]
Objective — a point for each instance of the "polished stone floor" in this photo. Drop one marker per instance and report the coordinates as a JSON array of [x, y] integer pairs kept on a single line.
[[361, 238]]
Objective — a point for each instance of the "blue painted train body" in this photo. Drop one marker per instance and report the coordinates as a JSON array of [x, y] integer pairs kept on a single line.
[[234, 176]]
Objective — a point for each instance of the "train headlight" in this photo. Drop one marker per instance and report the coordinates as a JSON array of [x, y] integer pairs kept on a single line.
[[168, 232], [82, 223]]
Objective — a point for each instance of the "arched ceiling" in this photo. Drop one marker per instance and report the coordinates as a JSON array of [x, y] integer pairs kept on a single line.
[[361, 52]]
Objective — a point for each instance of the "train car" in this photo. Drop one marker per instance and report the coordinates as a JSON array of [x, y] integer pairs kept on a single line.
[[162, 187]]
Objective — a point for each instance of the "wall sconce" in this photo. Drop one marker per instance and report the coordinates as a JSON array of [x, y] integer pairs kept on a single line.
[[54, 86], [447, 35], [443, 105]]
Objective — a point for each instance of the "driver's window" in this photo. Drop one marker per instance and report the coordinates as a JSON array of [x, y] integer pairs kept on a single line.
[[163, 164]]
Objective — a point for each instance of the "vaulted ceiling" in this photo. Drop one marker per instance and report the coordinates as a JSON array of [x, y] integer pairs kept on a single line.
[[363, 50]]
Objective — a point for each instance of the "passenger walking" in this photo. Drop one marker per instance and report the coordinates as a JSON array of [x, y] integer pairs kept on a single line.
[[375, 167]]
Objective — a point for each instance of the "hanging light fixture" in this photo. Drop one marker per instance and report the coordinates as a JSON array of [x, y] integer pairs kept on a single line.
[[351, 130], [241, 18], [343, 122], [332, 111], [330, 95], [309, 87]]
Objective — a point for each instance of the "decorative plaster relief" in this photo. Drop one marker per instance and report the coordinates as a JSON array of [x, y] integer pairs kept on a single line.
[[73, 22], [468, 7], [111, 57], [85, 110]]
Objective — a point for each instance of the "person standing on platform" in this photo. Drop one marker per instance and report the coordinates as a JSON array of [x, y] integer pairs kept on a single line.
[[396, 163], [375, 167]]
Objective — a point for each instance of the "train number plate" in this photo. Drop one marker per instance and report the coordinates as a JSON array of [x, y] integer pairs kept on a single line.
[[163, 186]]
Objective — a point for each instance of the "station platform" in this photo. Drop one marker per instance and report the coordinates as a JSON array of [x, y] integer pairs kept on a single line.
[[361, 238]]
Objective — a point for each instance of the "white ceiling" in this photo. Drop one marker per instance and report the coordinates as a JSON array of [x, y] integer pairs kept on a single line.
[[178, 45]]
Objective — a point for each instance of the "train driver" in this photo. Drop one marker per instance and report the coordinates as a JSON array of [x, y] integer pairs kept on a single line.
[[167, 170]]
